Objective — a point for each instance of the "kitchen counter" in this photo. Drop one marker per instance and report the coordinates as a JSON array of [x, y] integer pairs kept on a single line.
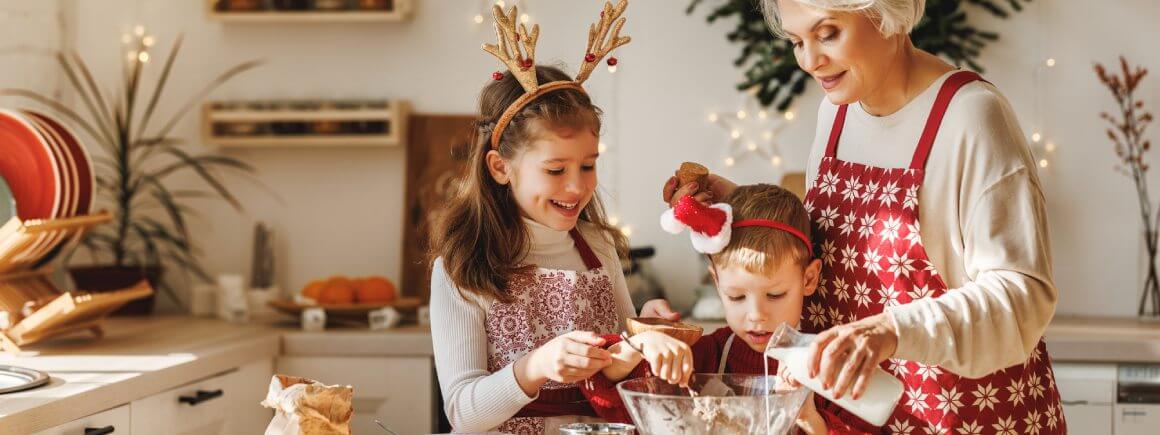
[[139, 357], [1103, 339], [1083, 339]]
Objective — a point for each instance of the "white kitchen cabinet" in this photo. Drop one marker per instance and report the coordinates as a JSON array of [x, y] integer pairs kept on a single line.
[[1088, 393], [225, 404], [397, 390], [115, 421]]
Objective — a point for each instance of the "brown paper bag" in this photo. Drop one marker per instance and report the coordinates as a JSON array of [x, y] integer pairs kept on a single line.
[[307, 407]]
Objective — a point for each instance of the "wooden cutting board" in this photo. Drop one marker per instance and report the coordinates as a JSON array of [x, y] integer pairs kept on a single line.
[[437, 151]]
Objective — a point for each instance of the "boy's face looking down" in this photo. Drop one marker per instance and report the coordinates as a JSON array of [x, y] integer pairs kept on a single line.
[[756, 303]]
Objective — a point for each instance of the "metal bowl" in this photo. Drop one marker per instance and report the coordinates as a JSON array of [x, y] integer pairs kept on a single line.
[[598, 429], [13, 379]]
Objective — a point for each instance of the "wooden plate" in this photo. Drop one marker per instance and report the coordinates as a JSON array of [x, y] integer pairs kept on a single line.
[[345, 311]]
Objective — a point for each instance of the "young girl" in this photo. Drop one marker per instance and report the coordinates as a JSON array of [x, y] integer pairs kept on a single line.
[[528, 273], [763, 265]]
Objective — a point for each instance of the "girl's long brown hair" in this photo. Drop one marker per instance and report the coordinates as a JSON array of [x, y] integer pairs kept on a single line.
[[480, 236]]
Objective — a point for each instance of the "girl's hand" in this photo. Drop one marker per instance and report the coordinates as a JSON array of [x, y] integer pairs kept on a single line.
[[659, 308], [718, 188], [571, 357], [670, 359], [845, 356]]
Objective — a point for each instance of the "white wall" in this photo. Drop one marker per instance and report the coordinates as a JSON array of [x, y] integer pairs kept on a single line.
[[340, 208], [29, 33]]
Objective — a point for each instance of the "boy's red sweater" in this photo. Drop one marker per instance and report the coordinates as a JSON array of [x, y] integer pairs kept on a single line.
[[602, 395]]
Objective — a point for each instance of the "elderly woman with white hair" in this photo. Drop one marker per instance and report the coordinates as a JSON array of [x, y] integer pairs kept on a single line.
[[955, 308]]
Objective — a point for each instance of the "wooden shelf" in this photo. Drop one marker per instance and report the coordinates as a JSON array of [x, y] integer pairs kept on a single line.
[[217, 116], [301, 115], [308, 141], [401, 12]]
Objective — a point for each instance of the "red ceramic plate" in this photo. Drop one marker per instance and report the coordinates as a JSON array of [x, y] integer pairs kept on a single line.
[[66, 177], [26, 163], [64, 164], [81, 160]]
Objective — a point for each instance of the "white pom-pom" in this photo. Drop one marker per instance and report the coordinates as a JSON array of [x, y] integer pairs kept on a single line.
[[712, 245], [670, 224]]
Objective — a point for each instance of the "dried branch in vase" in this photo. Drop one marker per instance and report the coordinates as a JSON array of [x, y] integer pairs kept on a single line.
[[1127, 134]]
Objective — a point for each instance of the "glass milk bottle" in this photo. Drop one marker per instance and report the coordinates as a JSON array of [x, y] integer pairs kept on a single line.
[[791, 348]]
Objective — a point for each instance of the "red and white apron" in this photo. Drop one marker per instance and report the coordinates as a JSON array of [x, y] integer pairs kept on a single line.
[[866, 220], [545, 305]]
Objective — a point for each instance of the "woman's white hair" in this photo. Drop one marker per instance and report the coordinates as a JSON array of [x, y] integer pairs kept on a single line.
[[893, 16]]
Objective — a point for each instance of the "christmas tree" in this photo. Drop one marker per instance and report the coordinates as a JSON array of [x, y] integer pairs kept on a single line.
[[769, 63]]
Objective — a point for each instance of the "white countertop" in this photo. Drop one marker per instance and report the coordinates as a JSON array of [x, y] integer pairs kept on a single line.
[[1082, 338], [139, 357]]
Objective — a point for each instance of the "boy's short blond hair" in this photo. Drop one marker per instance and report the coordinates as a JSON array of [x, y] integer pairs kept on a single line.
[[760, 249]]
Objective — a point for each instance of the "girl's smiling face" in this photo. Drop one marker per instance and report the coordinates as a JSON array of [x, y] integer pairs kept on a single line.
[[554, 178], [756, 303]]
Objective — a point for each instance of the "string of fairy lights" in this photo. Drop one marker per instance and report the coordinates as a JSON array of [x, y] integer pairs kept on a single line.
[[1042, 144], [753, 131]]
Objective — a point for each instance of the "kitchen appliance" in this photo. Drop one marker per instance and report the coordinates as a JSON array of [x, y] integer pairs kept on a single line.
[[708, 305], [1137, 408], [642, 282]]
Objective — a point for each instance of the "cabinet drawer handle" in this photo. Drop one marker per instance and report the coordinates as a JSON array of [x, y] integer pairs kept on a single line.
[[200, 396], [98, 430]]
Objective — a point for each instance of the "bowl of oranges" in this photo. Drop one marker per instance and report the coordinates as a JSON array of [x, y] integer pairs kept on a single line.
[[346, 297]]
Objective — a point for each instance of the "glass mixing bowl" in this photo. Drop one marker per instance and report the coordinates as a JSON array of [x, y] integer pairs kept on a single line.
[[729, 403]]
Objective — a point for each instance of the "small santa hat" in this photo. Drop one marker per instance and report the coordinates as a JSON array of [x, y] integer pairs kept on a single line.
[[710, 226]]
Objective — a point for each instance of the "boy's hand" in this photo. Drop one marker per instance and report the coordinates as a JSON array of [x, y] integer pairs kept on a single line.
[[809, 420], [671, 359], [786, 378]]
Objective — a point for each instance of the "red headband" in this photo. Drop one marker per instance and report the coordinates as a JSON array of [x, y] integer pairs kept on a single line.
[[777, 226]]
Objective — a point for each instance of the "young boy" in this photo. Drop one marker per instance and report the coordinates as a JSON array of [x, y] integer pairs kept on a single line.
[[763, 271]]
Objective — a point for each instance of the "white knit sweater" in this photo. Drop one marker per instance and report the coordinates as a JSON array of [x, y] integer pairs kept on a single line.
[[475, 399]]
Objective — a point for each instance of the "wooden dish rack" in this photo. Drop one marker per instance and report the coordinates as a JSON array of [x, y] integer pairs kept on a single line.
[[36, 309]]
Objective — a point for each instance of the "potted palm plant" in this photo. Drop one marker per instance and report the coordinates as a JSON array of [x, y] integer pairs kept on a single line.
[[135, 158]]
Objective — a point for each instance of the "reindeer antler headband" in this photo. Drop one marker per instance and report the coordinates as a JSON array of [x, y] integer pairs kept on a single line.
[[522, 63]]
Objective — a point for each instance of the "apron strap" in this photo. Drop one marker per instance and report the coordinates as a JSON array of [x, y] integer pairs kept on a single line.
[[949, 87], [725, 354], [591, 261], [836, 131]]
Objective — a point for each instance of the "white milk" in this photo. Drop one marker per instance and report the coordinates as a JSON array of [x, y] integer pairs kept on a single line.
[[876, 404]]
